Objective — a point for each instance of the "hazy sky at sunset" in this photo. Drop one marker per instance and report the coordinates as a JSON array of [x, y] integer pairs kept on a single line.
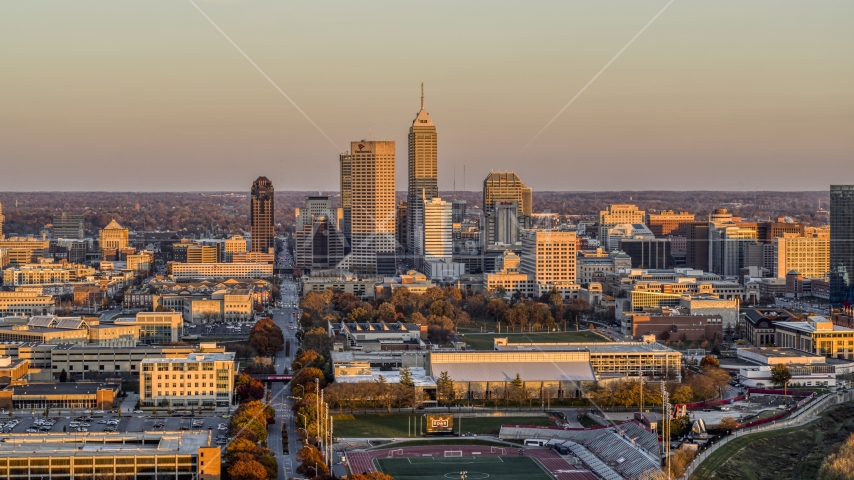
[[148, 95]]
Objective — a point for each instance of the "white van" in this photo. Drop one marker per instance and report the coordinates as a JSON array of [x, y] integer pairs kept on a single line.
[[535, 442]]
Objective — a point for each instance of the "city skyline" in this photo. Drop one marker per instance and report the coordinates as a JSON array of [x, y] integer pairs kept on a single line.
[[729, 89]]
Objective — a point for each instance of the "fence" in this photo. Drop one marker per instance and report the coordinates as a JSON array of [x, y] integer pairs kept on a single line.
[[811, 410]]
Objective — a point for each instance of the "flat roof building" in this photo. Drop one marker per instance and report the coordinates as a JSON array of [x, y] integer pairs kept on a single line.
[[199, 380], [131, 455]]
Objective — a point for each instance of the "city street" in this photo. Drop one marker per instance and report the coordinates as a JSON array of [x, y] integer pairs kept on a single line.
[[280, 398]]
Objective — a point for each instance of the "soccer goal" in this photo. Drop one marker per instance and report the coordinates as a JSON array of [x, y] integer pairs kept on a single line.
[[453, 453], [501, 450], [398, 452]]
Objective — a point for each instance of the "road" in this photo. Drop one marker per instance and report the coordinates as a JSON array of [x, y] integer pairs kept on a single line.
[[285, 316]]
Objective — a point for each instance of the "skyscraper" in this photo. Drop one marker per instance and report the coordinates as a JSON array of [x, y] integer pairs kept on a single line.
[[345, 161], [507, 207], [842, 244], [68, 226], [2, 218], [372, 226], [261, 224], [423, 170], [318, 243]]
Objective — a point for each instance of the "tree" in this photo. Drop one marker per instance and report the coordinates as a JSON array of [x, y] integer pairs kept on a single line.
[[317, 339], [311, 462], [728, 423], [780, 375], [445, 389], [247, 469], [839, 465], [576, 306], [63, 376], [406, 377], [709, 361], [370, 476], [682, 394], [248, 388]]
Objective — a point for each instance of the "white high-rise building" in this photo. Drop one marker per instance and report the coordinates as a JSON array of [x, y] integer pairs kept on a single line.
[[373, 205], [549, 258], [438, 231]]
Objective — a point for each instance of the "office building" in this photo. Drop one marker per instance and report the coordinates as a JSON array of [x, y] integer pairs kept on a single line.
[[155, 327], [2, 219], [759, 326], [670, 325], [113, 237], [548, 257], [728, 241], [344, 282], [654, 253], [401, 222], [345, 169], [318, 242], [617, 214], [816, 335], [842, 244], [261, 222], [458, 211], [195, 271], [234, 245], [593, 265], [438, 231], [766, 232], [507, 277], [199, 380], [423, 171], [25, 304], [626, 231], [68, 226], [74, 330], [379, 336], [669, 223], [507, 208], [809, 255], [23, 250], [697, 245], [373, 213], [58, 396]]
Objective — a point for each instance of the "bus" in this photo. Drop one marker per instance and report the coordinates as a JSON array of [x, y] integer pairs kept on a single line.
[[535, 442]]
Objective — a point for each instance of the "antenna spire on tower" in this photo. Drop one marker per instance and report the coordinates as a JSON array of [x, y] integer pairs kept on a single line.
[[422, 95]]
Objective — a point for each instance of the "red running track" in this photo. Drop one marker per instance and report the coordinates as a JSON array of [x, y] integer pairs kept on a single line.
[[361, 462]]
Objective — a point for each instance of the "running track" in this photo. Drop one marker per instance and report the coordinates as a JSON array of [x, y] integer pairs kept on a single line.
[[361, 462]]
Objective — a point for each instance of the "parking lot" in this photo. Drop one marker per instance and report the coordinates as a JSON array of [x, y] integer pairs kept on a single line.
[[108, 422], [220, 330]]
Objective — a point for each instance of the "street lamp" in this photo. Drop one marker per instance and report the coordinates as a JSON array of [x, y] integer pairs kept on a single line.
[[302, 387]]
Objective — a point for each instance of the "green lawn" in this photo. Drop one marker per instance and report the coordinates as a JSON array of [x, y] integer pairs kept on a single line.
[[396, 425], [440, 468], [484, 341]]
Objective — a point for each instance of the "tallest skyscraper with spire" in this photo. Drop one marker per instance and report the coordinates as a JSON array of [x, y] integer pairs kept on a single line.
[[423, 173]]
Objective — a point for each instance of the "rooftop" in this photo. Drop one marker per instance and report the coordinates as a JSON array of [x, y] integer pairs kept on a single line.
[[61, 388], [106, 444], [195, 357]]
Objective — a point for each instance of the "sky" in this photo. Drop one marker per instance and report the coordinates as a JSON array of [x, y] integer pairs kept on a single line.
[[150, 96]]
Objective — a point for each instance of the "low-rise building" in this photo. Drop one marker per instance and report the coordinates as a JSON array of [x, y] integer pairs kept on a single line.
[[341, 281], [59, 396], [25, 303], [412, 280], [816, 335], [199, 380], [156, 327], [377, 336], [74, 330], [132, 455], [46, 272], [760, 324], [671, 325], [807, 370], [195, 271]]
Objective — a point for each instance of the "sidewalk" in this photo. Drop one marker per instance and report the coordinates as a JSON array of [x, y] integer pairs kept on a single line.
[[809, 413]]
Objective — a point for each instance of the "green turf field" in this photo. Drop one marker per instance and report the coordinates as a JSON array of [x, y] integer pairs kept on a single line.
[[401, 425], [484, 341], [476, 468]]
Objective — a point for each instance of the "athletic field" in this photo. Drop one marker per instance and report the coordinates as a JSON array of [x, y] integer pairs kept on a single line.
[[492, 468]]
